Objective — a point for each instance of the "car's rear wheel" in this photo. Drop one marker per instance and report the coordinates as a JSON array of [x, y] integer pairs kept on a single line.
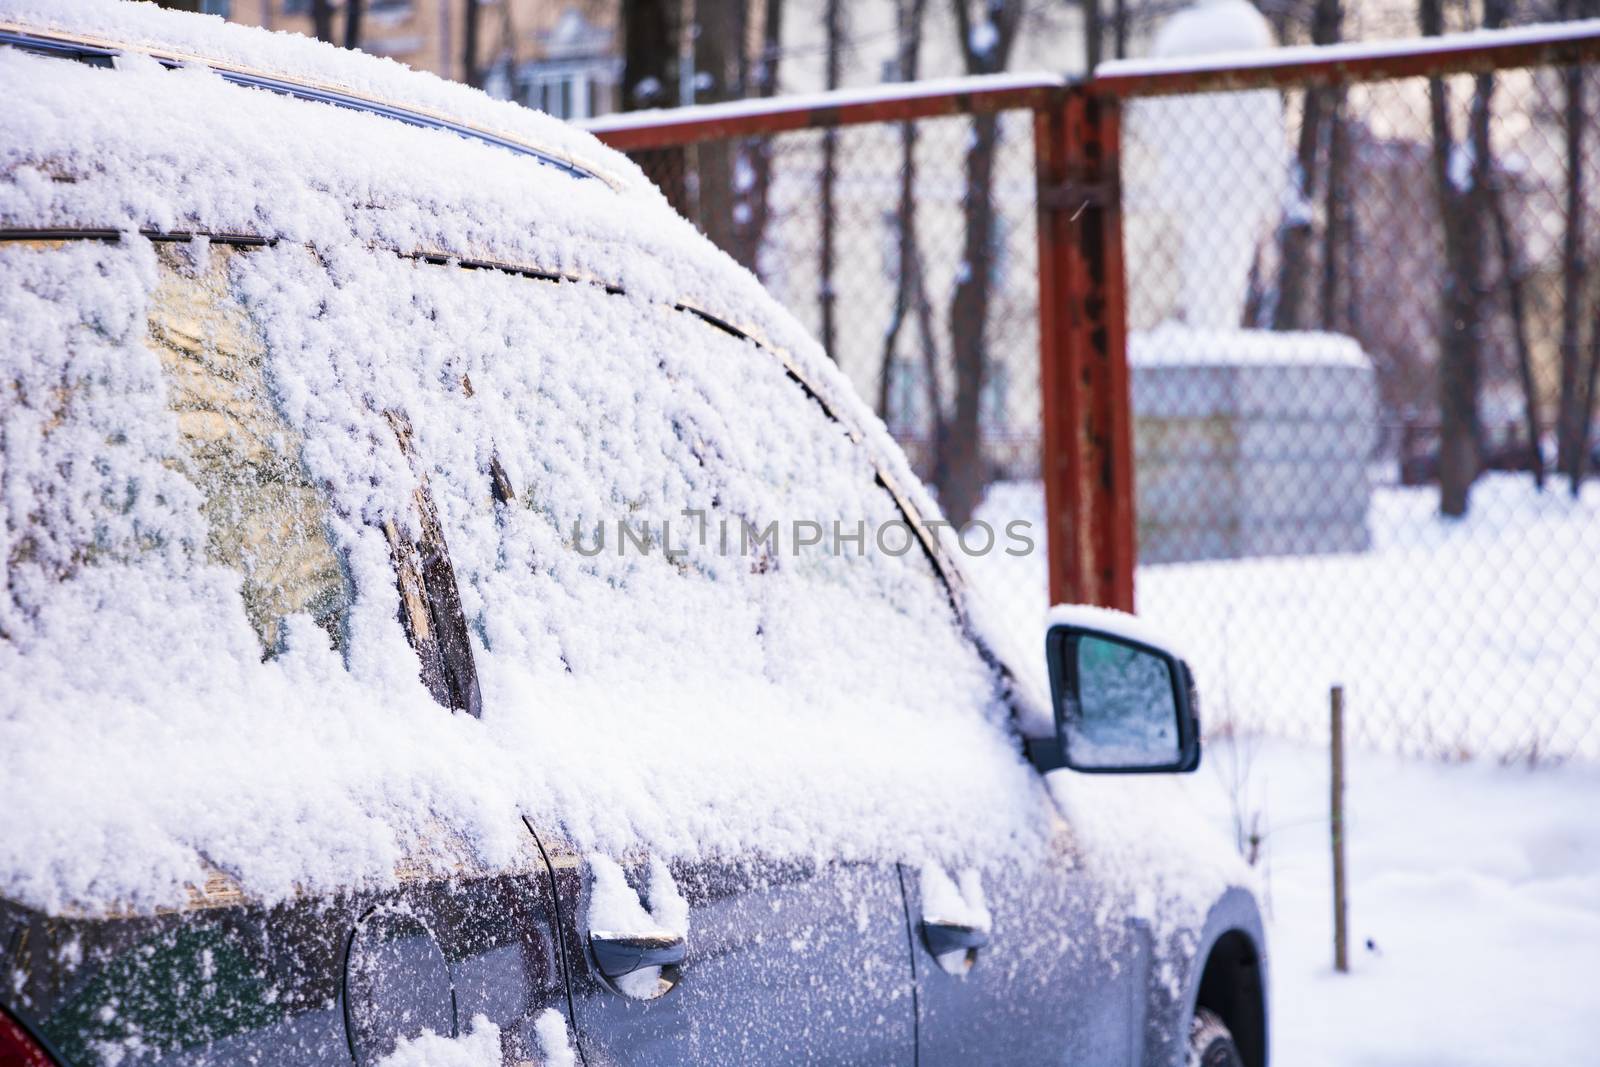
[[1210, 1043]]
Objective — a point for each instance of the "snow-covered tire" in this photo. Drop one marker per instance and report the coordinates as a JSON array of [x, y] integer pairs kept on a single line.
[[1210, 1043]]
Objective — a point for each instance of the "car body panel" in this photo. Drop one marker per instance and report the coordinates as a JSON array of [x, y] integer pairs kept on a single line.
[[1051, 986], [237, 982], [786, 962]]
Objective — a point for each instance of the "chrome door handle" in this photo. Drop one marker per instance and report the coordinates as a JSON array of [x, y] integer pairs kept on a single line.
[[618, 954], [947, 935]]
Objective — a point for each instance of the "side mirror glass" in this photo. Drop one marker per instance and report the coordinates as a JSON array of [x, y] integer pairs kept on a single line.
[[1122, 705]]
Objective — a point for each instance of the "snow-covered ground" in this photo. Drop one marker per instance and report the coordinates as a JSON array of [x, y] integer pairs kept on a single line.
[[1472, 638], [1477, 887]]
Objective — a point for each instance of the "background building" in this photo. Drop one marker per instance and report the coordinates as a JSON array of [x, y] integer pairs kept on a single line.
[[559, 56]]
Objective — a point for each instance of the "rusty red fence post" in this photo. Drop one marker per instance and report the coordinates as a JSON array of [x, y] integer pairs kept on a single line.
[[1087, 448]]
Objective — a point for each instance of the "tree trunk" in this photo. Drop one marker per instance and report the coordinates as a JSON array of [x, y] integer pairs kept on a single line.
[[649, 69], [911, 294], [1574, 278], [969, 317], [1461, 214], [322, 20], [1580, 458], [352, 23], [1517, 306], [832, 18], [719, 48], [471, 31], [750, 223], [908, 27], [1094, 30], [1336, 214], [1494, 15], [1295, 232], [984, 52]]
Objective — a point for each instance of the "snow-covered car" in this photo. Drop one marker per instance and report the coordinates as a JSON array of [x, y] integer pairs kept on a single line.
[[454, 616]]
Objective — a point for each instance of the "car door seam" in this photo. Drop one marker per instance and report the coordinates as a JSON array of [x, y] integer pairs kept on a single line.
[[560, 939]]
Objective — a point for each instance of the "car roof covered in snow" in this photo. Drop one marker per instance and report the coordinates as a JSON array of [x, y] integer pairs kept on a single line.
[[310, 68]]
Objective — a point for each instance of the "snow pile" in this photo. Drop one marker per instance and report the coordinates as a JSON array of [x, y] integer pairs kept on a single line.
[[1142, 836], [554, 1049], [479, 1047], [703, 702], [957, 900], [1212, 26]]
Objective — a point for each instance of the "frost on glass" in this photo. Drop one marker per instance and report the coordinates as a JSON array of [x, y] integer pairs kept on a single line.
[[264, 517], [1125, 714]]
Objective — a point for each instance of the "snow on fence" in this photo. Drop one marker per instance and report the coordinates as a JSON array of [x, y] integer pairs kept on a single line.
[[1353, 284]]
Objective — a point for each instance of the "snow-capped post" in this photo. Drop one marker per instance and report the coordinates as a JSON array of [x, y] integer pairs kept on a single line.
[[1341, 932]]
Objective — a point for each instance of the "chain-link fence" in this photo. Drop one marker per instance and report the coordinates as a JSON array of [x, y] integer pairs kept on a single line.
[[1362, 339], [1356, 300]]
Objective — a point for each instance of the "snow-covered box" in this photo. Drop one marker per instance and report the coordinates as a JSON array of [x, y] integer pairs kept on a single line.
[[1250, 443]]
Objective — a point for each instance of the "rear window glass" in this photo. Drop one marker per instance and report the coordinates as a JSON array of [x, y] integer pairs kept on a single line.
[[142, 430], [264, 518]]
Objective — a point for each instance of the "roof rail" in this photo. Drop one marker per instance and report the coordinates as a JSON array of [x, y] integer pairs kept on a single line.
[[103, 53]]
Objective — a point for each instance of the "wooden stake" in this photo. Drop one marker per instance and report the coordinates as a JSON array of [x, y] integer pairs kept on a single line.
[[1341, 935]]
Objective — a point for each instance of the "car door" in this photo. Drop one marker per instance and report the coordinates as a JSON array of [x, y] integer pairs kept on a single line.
[[774, 959], [784, 962], [1054, 979]]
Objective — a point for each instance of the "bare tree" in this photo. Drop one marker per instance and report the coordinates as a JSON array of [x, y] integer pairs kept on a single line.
[[719, 73], [985, 49], [750, 221], [471, 49], [911, 294], [833, 23], [352, 23], [650, 31], [1572, 403], [322, 20], [1295, 233], [1462, 192], [1094, 34], [908, 28], [1515, 276]]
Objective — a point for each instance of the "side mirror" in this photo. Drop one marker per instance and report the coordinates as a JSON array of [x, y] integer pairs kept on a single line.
[[1122, 705]]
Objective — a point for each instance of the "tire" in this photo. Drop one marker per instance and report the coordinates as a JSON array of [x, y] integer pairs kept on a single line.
[[1210, 1043]]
